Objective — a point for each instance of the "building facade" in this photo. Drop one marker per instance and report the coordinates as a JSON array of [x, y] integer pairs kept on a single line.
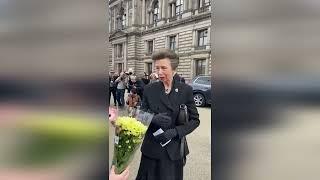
[[139, 27]]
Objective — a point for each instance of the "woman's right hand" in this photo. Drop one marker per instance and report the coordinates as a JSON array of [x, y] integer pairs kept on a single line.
[[123, 176], [162, 120]]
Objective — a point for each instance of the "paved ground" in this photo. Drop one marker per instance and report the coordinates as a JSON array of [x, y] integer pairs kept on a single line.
[[198, 165]]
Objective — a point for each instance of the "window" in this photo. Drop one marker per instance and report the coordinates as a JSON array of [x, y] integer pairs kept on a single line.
[[120, 67], [200, 66], [202, 3], [179, 7], [119, 23], [123, 19], [119, 50], [202, 37], [155, 11], [203, 80], [150, 47], [206, 2], [172, 42], [148, 68]]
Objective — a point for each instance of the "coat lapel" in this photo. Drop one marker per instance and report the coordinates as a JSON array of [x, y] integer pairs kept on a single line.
[[174, 94], [174, 97], [171, 100]]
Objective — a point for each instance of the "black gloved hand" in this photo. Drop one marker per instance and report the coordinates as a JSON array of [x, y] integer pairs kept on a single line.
[[162, 120], [166, 136]]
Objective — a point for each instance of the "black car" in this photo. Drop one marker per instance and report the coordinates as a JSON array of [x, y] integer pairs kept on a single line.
[[201, 86]]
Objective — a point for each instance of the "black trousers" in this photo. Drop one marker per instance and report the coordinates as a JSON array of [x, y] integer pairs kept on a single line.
[[113, 91]]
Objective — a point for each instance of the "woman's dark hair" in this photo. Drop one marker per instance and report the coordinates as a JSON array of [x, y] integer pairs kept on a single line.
[[166, 53]]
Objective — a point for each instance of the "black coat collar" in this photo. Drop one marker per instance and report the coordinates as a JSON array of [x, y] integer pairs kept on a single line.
[[172, 97]]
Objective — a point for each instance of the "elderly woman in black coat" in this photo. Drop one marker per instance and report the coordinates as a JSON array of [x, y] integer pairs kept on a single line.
[[163, 98]]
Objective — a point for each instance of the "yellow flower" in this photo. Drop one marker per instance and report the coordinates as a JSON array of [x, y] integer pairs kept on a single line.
[[131, 126]]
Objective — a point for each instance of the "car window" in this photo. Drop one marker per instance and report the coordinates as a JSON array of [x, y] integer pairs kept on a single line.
[[203, 80]]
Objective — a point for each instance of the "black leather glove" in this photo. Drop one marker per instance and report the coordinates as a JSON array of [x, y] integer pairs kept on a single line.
[[166, 136], [162, 120]]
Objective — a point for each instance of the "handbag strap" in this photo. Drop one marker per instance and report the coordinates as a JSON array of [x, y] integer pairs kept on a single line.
[[185, 109]]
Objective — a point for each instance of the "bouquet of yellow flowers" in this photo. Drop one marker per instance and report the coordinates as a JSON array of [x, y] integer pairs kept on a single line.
[[128, 137]]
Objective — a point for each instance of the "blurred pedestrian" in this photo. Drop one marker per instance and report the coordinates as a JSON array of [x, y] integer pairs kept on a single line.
[[153, 78], [133, 101], [177, 77], [121, 86], [145, 79], [113, 87], [137, 84]]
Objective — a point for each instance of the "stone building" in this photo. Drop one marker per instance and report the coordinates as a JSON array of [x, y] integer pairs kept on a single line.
[[139, 27]]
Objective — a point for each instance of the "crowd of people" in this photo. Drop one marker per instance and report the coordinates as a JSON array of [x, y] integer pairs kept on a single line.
[[119, 83]]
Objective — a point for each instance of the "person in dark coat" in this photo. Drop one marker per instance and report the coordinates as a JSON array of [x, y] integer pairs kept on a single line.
[[113, 87], [145, 79], [163, 98], [179, 78], [136, 84]]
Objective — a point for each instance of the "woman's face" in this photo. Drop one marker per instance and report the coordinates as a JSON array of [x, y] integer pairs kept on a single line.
[[164, 70]]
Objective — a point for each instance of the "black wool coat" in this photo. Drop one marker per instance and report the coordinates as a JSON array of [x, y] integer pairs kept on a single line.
[[156, 101]]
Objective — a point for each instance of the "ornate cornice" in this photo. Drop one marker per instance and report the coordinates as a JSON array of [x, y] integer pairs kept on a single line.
[[125, 33]]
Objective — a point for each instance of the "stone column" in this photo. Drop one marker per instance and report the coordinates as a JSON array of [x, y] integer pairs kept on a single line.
[[143, 12], [125, 55], [209, 38], [185, 5], [127, 14], [173, 11], [114, 20], [169, 11], [164, 6], [133, 12], [194, 39], [190, 4], [160, 9], [113, 56]]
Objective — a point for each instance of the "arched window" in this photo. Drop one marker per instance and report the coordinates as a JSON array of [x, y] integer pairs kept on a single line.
[[155, 11]]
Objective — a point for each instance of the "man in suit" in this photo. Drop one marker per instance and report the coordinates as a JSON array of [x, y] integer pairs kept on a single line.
[[163, 98]]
